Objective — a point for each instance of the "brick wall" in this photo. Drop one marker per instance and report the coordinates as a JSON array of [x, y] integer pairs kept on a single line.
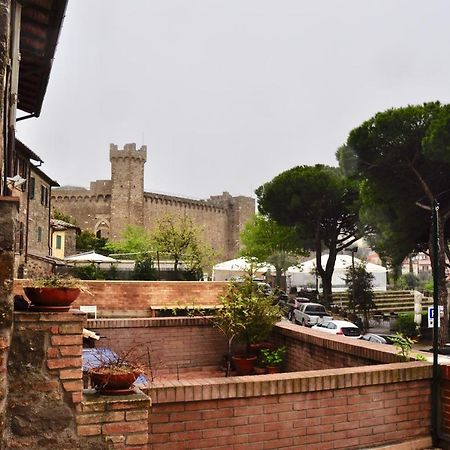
[[122, 421], [445, 399], [339, 408], [351, 407], [182, 343], [309, 349], [46, 405], [174, 344], [137, 298]]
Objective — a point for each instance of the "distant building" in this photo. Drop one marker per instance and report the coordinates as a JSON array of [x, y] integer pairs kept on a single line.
[[110, 205], [63, 238], [33, 236], [417, 264], [374, 258]]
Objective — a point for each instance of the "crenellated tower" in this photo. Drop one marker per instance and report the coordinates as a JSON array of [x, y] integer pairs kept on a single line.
[[127, 187]]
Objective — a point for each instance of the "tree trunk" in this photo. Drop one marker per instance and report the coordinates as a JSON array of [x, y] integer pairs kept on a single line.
[[442, 287], [327, 288], [175, 269], [328, 275], [325, 274], [278, 273]]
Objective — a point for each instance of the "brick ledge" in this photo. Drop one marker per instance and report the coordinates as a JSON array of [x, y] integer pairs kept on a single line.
[[287, 383]]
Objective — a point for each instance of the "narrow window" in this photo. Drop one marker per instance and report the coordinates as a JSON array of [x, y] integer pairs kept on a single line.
[[58, 242], [21, 237], [39, 234], [31, 188], [44, 195]]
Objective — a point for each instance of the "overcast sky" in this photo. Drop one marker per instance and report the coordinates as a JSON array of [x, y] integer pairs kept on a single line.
[[226, 94]]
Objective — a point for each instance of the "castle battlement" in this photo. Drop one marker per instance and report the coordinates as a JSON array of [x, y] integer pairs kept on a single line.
[[128, 151], [183, 202], [109, 206]]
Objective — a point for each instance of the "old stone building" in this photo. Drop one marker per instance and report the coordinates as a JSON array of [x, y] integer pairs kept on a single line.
[[108, 206], [33, 234]]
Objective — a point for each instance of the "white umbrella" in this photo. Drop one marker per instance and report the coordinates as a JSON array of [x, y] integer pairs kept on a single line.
[[90, 257]]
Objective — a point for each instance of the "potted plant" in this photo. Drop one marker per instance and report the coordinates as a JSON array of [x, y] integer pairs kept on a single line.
[[246, 313], [113, 373], [229, 318], [260, 366], [54, 293], [273, 359]]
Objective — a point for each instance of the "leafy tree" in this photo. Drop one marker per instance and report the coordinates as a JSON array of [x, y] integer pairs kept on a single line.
[[180, 239], [402, 155], [321, 205], [59, 215], [360, 291], [134, 241], [87, 241], [144, 268], [267, 241], [198, 257]]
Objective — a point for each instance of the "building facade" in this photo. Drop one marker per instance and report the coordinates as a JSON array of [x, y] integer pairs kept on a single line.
[[108, 206], [63, 238], [33, 233]]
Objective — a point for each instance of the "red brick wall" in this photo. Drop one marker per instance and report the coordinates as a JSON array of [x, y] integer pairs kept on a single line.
[[445, 398], [175, 343], [309, 349], [341, 408], [181, 343], [137, 298]]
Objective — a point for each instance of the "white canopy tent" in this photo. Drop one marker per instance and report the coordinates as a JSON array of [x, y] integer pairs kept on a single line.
[[239, 267], [89, 257], [305, 276]]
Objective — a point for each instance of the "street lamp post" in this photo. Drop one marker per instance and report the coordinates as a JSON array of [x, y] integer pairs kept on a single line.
[[353, 250]]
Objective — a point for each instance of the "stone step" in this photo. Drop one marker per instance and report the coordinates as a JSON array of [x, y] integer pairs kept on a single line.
[[398, 301]]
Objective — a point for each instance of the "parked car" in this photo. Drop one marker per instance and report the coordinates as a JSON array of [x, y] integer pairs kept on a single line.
[[290, 304], [378, 338], [339, 327], [309, 314]]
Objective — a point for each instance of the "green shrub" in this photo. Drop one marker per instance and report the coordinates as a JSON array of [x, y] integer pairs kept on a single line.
[[405, 325], [144, 268], [428, 287], [90, 272], [408, 281]]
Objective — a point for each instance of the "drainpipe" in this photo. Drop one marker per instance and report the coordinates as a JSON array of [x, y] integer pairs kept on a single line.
[[28, 212], [49, 235]]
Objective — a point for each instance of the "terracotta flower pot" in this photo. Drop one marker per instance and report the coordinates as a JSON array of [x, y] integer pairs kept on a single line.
[[260, 370], [273, 369], [111, 383], [51, 299], [244, 365]]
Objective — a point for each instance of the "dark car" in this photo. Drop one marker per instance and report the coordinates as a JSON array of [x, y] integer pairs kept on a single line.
[[378, 338]]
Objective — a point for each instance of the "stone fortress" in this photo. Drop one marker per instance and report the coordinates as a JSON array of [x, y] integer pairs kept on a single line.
[[110, 205]]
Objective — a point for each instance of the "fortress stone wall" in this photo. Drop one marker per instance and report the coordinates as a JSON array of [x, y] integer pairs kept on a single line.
[[108, 206]]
